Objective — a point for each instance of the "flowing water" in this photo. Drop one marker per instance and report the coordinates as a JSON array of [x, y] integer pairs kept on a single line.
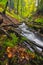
[[26, 32]]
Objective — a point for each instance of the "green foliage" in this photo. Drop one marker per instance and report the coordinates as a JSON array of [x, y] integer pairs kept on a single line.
[[40, 7], [3, 2], [12, 42], [39, 20], [25, 7], [28, 51], [22, 39], [39, 57]]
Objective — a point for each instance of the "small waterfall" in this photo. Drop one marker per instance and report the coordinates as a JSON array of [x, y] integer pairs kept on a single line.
[[30, 35]]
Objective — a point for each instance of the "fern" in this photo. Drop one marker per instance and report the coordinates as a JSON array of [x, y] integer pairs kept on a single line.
[[12, 42]]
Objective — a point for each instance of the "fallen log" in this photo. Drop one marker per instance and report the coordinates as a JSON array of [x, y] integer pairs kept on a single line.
[[5, 32], [27, 46], [12, 25], [34, 47]]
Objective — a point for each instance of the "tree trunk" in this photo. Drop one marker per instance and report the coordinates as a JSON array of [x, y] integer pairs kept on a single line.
[[17, 6], [5, 8]]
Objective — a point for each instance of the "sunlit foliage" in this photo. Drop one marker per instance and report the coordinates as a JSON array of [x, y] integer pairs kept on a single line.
[[25, 7]]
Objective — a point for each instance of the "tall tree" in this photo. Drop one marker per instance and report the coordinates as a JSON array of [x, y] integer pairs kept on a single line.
[[5, 7]]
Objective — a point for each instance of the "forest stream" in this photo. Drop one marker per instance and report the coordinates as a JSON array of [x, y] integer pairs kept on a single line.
[[21, 32], [32, 36]]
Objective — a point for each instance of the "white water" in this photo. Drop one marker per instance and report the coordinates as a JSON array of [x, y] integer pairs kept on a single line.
[[30, 35]]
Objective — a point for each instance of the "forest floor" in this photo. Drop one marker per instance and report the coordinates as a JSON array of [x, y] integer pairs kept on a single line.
[[8, 20], [18, 54]]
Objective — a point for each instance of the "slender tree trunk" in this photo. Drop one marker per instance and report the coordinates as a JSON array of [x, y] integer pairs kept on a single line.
[[21, 7], [17, 6], [5, 8]]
